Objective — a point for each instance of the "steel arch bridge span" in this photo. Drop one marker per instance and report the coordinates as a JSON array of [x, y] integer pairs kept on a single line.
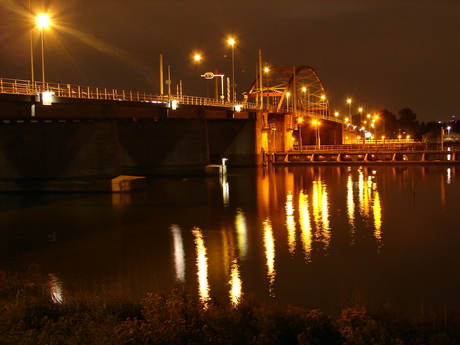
[[294, 89]]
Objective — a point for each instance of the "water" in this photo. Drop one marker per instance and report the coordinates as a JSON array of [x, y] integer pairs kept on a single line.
[[323, 237]]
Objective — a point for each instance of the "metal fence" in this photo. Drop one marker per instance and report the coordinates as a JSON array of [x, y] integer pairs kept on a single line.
[[26, 87]]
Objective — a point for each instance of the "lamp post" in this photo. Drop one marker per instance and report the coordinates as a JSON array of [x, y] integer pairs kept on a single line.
[[287, 100], [32, 72], [317, 123], [43, 21], [231, 41], [323, 98], [267, 71], [360, 110], [299, 122], [349, 110]]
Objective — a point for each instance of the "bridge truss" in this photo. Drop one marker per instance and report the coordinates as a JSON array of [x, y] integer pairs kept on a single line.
[[294, 89]]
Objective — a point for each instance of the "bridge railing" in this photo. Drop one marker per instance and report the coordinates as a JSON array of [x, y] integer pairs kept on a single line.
[[26, 87]]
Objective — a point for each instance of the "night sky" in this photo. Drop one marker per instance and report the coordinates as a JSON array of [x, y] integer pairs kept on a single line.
[[389, 54]]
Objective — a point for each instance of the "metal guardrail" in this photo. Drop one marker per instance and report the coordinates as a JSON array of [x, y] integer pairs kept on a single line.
[[402, 145], [26, 87]]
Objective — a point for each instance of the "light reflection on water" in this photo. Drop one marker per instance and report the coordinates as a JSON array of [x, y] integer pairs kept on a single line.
[[202, 266], [312, 236]]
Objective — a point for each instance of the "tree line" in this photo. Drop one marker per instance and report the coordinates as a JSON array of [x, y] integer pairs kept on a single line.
[[405, 124]]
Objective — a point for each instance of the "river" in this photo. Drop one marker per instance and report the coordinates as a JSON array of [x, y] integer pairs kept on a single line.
[[328, 237]]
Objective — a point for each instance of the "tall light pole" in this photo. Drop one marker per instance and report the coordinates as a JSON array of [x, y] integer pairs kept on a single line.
[[349, 110], [231, 41], [317, 123], [323, 98], [299, 121], [43, 21], [32, 72]]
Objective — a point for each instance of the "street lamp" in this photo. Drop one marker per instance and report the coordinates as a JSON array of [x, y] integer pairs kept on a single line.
[[267, 71], [231, 41], [43, 21], [287, 100], [317, 123], [323, 98], [349, 110], [299, 122]]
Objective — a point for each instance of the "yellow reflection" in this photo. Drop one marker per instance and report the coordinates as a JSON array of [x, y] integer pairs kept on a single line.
[[377, 210], [363, 194], [320, 206], [225, 190], [57, 296], [351, 209], [179, 253], [241, 233], [290, 222], [235, 284], [449, 176], [305, 225], [269, 243], [202, 266]]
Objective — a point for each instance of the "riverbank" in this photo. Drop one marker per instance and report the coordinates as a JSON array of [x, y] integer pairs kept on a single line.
[[32, 312]]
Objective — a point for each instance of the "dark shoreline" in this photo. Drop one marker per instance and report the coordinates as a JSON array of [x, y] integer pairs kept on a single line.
[[31, 314]]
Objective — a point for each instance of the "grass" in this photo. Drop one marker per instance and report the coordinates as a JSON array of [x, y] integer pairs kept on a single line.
[[29, 315]]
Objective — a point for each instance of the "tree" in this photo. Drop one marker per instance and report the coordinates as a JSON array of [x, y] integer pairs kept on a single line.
[[408, 124], [386, 123]]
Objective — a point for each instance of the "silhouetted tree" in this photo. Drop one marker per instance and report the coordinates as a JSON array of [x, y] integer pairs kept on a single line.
[[387, 123], [408, 124]]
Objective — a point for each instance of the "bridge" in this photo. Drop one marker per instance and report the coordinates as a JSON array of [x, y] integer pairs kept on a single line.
[[54, 134]]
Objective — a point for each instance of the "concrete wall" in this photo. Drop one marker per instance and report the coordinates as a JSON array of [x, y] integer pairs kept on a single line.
[[57, 150], [159, 147], [236, 140]]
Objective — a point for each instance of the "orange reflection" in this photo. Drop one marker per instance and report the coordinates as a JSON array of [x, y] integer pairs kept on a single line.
[[269, 243], [290, 223], [351, 208], [305, 226], [236, 291], [377, 210], [225, 190], [202, 266], [320, 206], [241, 233]]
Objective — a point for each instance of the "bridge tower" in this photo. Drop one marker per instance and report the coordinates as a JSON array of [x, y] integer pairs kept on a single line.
[[295, 109]]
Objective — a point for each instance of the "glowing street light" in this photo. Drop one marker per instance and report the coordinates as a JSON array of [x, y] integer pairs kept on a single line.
[[349, 109], [323, 98], [43, 21], [197, 57], [232, 42], [299, 122], [317, 123]]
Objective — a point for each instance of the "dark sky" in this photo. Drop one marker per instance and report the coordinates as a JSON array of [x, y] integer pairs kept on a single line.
[[389, 54]]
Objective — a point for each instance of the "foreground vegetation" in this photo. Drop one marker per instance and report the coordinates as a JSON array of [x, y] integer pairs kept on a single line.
[[29, 315]]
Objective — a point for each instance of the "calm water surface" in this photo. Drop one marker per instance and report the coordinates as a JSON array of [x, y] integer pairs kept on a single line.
[[320, 237]]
